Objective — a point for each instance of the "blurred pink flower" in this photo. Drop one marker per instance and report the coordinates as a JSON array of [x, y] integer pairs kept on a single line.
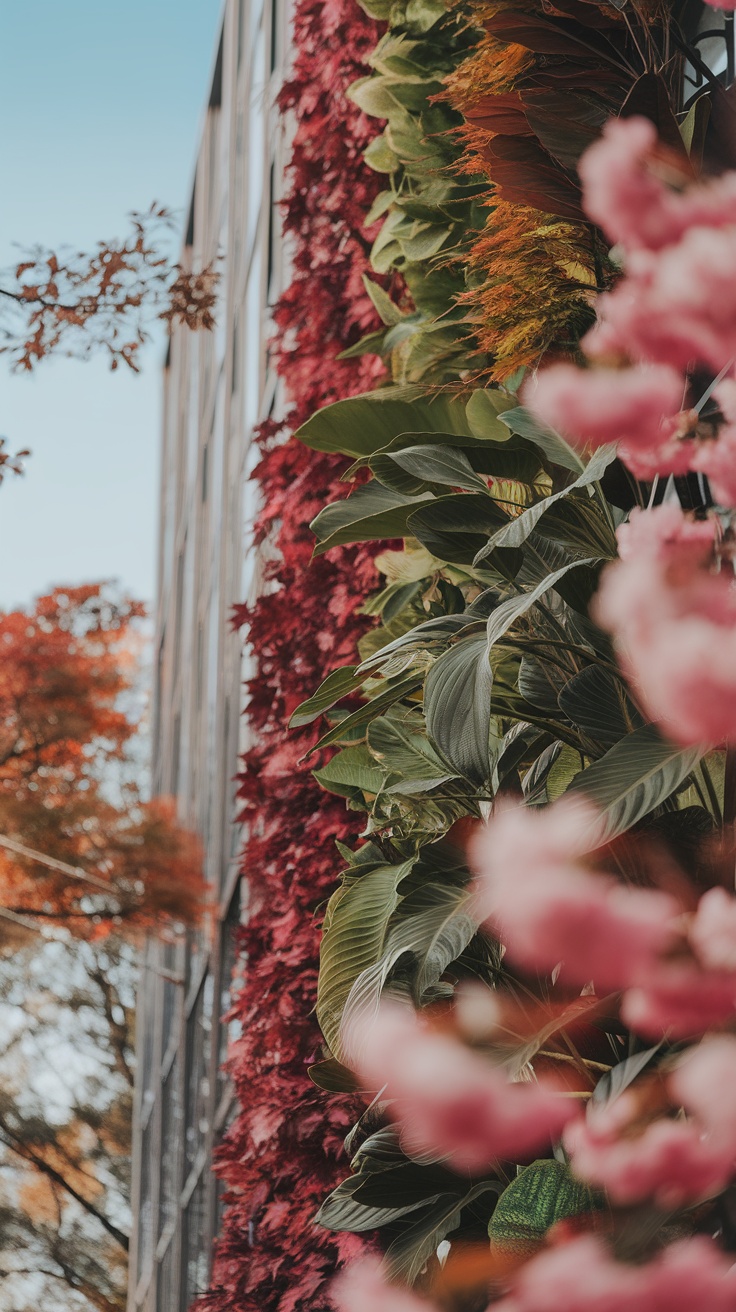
[[674, 624], [692, 1275], [608, 405], [670, 1161], [704, 1081], [623, 195], [717, 460], [676, 306], [666, 535], [712, 932], [679, 1000], [362, 1287], [548, 909], [450, 1101]]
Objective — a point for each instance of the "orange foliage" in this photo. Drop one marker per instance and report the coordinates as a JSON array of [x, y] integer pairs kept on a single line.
[[64, 732]]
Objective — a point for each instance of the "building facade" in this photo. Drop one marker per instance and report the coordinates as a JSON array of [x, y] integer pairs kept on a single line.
[[217, 387]]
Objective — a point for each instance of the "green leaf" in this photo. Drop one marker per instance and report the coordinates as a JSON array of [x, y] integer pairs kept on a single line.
[[637, 774], [432, 927], [436, 464], [597, 703], [483, 410], [408, 1255], [556, 449], [505, 615], [340, 683], [515, 533], [541, 1195], [355, 928], [407, 754], [372, 513], [453, 527], [351, 769], [342, 1210], [393, 692], [457, 706], [333, 1077], [363, 424], [387, 312]]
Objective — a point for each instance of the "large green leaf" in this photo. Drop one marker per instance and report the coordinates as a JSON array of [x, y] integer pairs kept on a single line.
[[555, 448], [453, 528], [338, 684], [349, 770], [393, 691], [515, 533], [363, 424], [509, 611], [406, 753], [371, 514], [637, 774], [408, 1255], [457, 705], [597, 702], [436, 464], [344, 1209], [541, 1195], [355, 928], [431, 927]]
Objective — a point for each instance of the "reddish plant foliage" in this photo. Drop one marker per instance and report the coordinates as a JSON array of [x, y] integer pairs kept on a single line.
[[281, 1154], [64, 728]]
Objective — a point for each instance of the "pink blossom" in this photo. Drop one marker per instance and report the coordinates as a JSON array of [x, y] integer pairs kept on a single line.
[[675, 625], [450, 1101], [676, 306], [666, 535], [608, 405], [549, 910], [363, 1287], [622, 193], [712, 933], [692, 1275], [670, 1161], [704, 1082], [679, 1000], [717, 460]]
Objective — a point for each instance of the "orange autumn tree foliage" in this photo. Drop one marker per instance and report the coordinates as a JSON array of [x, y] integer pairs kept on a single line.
[[67, 792]]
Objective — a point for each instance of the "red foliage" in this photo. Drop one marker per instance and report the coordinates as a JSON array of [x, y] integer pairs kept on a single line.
[[66, 667], [281, 1154]]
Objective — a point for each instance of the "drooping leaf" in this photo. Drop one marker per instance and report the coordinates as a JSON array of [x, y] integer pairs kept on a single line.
[[457, 706], [352, 768], [363, 424], [599, 704], [408, 1254], [355, 928], [370, 514], [505, 615], [636, 775], [338, 684], [523, 423], [517, 531]]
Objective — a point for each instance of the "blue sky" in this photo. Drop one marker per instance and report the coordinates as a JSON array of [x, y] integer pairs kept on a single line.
[[101, 105]]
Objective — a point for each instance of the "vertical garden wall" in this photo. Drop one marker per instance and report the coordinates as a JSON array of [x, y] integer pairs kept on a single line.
[[449, 243]]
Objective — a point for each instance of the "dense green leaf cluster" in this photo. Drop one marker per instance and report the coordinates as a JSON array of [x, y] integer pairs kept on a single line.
[[428, 213], [484, 674]]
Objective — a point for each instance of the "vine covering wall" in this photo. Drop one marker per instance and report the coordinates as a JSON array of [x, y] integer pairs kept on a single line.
[[280, 1155]]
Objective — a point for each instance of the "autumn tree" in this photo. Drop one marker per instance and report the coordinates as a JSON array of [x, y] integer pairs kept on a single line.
[[81, 303], [68, 788]]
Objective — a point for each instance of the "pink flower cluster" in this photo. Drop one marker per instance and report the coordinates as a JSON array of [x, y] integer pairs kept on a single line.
[[674, 309], [692, 1275], [553, 913], [582, 1277], [674, 622], [450, 1101], [674, 1162]]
